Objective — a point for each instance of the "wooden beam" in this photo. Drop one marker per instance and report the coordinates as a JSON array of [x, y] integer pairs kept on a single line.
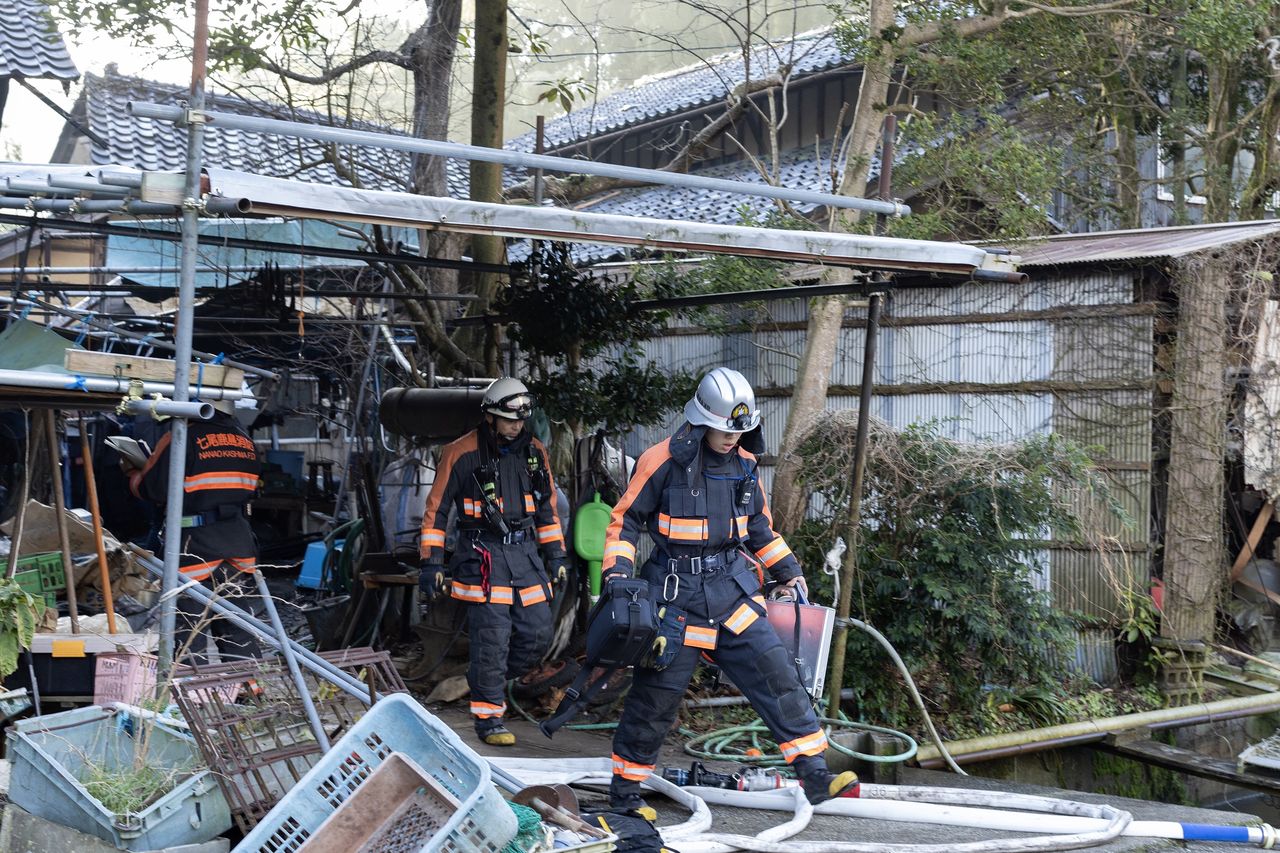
[[151, 369], [1193, 763], [1247, 553]]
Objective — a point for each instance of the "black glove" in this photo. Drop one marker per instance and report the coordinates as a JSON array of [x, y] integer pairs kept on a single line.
[[558, 570], [613, 575], [431, 579]]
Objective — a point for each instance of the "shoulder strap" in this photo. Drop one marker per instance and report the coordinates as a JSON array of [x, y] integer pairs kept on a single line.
[[576, 698]]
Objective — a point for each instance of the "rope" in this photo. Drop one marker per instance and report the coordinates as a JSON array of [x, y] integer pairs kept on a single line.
[[529, 830]]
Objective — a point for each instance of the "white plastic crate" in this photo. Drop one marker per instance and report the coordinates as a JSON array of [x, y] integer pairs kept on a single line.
[[483, 822]]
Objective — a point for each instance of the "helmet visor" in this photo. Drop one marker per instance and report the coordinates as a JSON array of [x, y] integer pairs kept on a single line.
[[516, 407]]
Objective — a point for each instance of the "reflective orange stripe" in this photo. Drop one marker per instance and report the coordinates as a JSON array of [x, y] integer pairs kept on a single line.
[[682, 529], [467, 592], [814, 744], [741, 522], [248, 565], [433, 537], [199, 571], [699, 637], [502, 595], [220, 480], [470, 507], [773, 552], [528, 504], [630, 770], [741, 618], [550, 533], [531, 595], [621, 548], [484, 710]]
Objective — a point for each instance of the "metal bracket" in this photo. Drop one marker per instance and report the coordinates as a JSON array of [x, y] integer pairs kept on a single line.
[[190, 116]]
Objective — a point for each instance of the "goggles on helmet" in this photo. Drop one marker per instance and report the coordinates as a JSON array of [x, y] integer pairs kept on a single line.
[[516, 406], [739, 419]]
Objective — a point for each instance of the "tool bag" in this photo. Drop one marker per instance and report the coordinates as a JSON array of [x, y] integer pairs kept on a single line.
[[620, 630]]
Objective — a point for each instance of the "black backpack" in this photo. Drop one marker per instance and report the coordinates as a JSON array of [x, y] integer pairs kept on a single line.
[[620, 629], [635, 834]]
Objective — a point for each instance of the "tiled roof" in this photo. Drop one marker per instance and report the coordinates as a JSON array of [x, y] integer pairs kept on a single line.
[[697, 85], [30, 44], [799, 169], [152, 144]]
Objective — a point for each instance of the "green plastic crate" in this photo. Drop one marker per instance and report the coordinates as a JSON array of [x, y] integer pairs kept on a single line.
[[42, 575]]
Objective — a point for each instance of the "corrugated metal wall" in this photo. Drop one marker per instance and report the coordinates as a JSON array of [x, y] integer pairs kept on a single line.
[[1087, 373]]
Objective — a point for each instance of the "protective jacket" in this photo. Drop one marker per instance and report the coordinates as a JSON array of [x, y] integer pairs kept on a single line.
[[692, 512], [506, 509], [475, 477], [221, 478]]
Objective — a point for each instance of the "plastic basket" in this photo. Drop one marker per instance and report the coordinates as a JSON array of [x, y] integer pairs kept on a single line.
[[483, 823], [50, 755], [42, 575]]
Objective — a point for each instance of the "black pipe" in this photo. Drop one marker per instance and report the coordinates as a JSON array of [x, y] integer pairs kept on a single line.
[[430, 414]]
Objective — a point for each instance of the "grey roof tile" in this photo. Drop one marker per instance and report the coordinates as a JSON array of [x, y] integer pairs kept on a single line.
[[694, 86], [152, 144], [30, 44]]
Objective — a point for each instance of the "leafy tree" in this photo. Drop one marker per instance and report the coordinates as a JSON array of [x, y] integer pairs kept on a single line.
[[579, 331], [945, 560]]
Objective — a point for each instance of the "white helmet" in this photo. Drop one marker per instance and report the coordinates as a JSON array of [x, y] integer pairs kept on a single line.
[[724, 401], [507, 398]]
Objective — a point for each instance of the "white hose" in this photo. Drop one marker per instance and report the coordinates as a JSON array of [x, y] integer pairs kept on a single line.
[[1114, 823], [693, 836]]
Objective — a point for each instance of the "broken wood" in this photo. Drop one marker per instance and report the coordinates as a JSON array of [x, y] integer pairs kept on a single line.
[[1247, 553], [149, 369]]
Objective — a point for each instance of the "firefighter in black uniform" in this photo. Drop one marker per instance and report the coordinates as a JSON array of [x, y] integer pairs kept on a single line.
[[498, 479], [218, 547], [698, 496]]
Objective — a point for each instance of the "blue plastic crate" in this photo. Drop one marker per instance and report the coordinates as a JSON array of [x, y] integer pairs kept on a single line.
[[50, 754], [483, 822]]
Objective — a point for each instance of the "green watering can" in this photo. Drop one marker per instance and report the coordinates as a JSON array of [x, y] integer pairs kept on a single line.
[[590, 524]]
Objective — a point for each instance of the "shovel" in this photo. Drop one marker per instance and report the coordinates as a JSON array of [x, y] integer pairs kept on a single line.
[[549, 802]]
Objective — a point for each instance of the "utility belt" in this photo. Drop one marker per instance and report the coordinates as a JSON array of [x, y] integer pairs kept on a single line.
[[522, 532], [690, 564], [225, 512]]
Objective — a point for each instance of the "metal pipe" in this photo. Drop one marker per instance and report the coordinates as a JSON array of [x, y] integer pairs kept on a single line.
[[88, 319], [307, 658], [853, 521], [61, 180], [105, 206], [60, 516], [182, 340], [169, 409], [1001, 276], [91, 490], [286, 649], [133, 180], [103, 384], [1089, 731], [118, 270], [457, 150]]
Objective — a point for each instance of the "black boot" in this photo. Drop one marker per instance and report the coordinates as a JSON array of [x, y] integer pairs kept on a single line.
[[825, 785]]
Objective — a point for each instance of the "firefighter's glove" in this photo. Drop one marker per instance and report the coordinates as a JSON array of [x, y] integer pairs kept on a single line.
[[797, 586], [611, 576], [431, 579], [558, 570]]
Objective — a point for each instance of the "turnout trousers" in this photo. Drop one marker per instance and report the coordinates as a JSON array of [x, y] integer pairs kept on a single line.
[[508, 617], [725, 620]]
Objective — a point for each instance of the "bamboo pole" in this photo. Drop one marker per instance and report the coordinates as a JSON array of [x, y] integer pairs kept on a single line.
[[60, 515], [91, 489]]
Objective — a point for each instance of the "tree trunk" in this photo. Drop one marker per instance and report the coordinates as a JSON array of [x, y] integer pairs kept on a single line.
[[809, 394], [488, 97], [1221, 142], [1193, 551]]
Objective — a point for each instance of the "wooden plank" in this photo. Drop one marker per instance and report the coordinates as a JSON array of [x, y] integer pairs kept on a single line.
[[151, 369], [1193, 763], [1247, 553]]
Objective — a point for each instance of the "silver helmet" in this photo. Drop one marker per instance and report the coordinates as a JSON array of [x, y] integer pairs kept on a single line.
[[508, 398], [724, 401]]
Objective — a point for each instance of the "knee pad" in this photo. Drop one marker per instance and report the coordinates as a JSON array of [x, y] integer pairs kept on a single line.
[[779, 676]]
